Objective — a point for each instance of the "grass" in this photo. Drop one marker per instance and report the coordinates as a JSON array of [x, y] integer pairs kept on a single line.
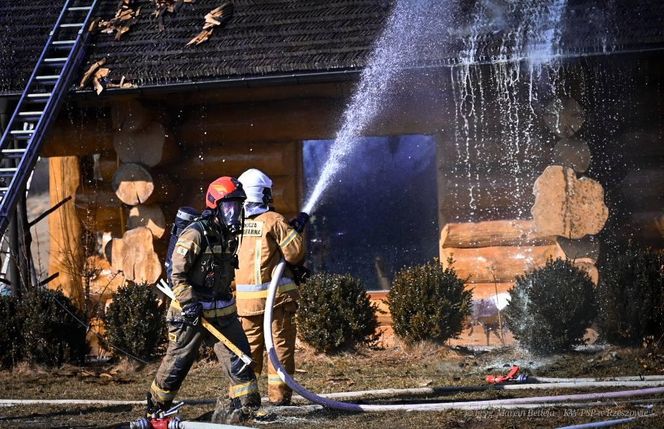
[[396, 367]]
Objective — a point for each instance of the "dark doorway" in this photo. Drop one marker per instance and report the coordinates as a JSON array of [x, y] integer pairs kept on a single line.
[[380, 213]]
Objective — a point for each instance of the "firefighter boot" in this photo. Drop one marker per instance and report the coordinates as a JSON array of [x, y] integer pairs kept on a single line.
[[227, 411]]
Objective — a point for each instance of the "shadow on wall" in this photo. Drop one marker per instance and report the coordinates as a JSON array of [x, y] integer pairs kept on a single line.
[[380, 214]]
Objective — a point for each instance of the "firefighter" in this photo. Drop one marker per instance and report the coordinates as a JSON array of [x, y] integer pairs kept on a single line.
[[203, 264], [267, 238]]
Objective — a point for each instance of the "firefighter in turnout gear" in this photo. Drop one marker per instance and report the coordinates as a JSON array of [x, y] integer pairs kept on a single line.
[[267, 238], [203, 264]]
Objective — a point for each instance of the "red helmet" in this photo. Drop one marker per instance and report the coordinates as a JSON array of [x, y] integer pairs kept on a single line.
[[224, 188]]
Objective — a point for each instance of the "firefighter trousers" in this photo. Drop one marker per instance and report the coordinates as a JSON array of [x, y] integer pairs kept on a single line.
[[284, 330], [184, 340]]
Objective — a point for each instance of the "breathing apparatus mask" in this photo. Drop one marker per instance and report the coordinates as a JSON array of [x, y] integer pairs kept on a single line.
[[230, 213]]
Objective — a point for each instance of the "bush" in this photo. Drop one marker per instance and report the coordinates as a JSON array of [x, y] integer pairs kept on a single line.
[[335, 313], [631, 297], [134, 322], [428, 302], [10, 332], [551, 307], [53, 329]]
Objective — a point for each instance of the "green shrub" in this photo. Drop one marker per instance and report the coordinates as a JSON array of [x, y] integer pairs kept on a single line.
[[631, 297], [428, 302], [53, 329], [551, 307], [134, 322], [335, 313], [10, 332]]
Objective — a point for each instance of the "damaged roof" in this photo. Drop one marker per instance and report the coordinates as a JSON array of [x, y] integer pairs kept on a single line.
[[266, 38]]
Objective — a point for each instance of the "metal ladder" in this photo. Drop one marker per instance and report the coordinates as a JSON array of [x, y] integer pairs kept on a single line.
[[40, 102]]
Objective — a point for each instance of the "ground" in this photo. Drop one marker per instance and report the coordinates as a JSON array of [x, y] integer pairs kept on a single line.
[[395, 367]]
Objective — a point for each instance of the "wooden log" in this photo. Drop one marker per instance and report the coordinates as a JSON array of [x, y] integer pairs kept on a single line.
[[297, 119], [134, 185], [130, 115], [105, 282], [206, 164], [113, 252], [140, 263], [77, 137], [285, 193], [99, 209], [498, 264], [105, 166], [643, 189], [589, 267], [66, 252], [647, 227], [564, 116], [573, 153], [643, 145], [150, 216], [567, 206], [150, 146], [492, 233], [586, 248]]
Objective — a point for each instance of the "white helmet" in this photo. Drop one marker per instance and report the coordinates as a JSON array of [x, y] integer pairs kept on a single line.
[[257, 185]]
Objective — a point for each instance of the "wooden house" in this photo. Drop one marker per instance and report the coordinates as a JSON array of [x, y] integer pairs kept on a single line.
[[280, 72]]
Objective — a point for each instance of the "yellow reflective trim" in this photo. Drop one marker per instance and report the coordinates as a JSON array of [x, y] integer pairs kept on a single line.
[[172, 336], [274, 379], [187, 244], [180, 288], [263, 293], [290, 237], [161, 394], [257, 261], [219, 312], [243, 389]]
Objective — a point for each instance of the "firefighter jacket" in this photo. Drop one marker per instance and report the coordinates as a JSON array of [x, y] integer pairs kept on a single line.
[[266, 238], [203, 261]]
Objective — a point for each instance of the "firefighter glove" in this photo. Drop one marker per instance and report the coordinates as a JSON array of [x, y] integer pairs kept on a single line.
[[300, 273], [299, 222], [192, 311]]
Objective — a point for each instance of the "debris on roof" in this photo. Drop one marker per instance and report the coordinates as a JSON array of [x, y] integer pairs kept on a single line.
[[124, 18], [100, 78], [92, 70], [164, 6], [214, 18]]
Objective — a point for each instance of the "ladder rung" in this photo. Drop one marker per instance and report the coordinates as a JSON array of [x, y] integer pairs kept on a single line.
[[13, 153], [48, 77], [39, 95], [22, 134], [7, 172], [31, 114], [64, 42], [55, 60], [73, 8], [72, 25]]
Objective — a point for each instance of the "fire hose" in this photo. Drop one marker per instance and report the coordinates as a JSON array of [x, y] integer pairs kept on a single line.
[[347, 406]]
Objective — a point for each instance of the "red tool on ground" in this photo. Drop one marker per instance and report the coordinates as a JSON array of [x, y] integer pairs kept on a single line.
[[161, 420], [512, 375]]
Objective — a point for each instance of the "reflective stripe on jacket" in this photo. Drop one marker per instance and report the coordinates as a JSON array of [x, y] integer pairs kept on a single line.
[[267, 238]]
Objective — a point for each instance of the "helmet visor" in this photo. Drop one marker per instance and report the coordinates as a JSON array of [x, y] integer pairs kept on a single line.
[[230, 212]]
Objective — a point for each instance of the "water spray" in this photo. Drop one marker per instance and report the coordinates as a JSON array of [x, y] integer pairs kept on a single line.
[[409, 26]]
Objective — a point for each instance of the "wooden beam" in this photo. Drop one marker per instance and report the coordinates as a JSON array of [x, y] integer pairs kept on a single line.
[[66, 253]]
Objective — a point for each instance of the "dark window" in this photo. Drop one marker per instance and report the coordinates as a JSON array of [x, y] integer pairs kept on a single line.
[[379, 213]]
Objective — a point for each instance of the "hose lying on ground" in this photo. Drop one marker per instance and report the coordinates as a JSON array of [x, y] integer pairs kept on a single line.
[[330, 403]]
